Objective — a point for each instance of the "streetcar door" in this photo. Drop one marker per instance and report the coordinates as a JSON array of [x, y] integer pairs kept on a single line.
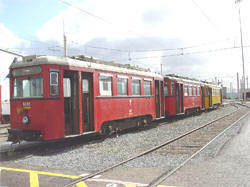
[[157, 98], [202, 97], [71, 102], [181, 98], [177, 95], [162, 99], [87, 102], [210, 96]]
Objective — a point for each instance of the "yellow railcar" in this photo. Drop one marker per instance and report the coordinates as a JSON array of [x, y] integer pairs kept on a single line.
[[212, 95], [207, 96]]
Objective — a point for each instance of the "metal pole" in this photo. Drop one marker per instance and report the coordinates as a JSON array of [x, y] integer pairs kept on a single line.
[[161, 69], [64, 42], [247, 83], [238, 86], [11, 53], [242, 53]]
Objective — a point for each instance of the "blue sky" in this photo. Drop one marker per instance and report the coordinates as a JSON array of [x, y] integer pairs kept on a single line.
[[25, 17]]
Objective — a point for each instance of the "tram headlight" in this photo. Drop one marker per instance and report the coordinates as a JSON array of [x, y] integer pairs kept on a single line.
[[25, 120]]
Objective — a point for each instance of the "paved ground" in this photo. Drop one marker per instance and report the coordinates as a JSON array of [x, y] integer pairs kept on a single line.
[[231, 167]]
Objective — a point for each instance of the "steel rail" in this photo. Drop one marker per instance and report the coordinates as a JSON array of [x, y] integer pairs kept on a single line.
[[166, 174], [146, 152]]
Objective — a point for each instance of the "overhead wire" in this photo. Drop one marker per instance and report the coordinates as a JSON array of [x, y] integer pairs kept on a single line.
[[95, 16], [204, 14], [190, 53]]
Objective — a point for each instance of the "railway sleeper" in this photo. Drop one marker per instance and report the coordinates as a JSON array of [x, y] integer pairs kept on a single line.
[[111, 127]]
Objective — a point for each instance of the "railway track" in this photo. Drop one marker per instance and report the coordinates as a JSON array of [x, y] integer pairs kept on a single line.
[[30, 149], [176, 142]]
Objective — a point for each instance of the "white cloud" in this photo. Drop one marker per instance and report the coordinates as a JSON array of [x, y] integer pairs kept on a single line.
[[8, 40], [132, 21]]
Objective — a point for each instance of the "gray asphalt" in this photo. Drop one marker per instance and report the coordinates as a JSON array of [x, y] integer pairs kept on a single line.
[[231, 166]]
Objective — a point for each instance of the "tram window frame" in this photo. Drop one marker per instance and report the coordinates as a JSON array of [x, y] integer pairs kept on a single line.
[[105, 85], [26, 88], [66, 87], [166, 90], [136, 88], [54, 83], [194, 91], [190, 91], [147, 87], [198, 91], [172, 89], [185, 90], [122, 85]]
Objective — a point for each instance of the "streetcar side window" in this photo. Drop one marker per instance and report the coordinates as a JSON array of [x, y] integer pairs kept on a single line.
[[190, 90], [172, 88], [54, 86], [66, 87], [198, 91], [28, 87], [147, 87], [105, 83], [122, 86], [185, 90], [136, 87], [194, 90], [166, 90]]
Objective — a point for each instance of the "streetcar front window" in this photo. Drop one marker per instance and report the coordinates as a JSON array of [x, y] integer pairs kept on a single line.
[[28, 87]]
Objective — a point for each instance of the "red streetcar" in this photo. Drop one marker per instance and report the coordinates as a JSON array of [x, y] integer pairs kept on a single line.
[[1, 104], [182, 95], [56, 97]]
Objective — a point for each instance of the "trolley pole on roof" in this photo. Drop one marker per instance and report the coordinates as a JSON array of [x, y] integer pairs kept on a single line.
[[64, 43], [242, 51], [12, 53]]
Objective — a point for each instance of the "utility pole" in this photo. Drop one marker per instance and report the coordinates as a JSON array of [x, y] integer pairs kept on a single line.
[[231, 89], [161, 69], [238, 86], [247, 83], [242, 52]]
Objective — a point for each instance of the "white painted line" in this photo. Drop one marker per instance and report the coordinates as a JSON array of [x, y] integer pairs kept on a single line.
[[116, 182], [96, 177], [84, 175]]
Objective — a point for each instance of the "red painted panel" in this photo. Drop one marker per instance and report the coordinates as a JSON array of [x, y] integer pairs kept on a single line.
[[188, 101], [45, 115], [0, 104], [108, 109]]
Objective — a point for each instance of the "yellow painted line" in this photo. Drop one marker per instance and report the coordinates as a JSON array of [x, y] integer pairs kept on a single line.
[[34, 176], [130, 185], [34, 182], [81, 184]]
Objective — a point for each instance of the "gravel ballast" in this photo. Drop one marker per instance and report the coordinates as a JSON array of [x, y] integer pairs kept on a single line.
[[98, 155]]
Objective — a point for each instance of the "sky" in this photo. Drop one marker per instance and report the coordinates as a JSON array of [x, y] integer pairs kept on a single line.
[[194, 38]]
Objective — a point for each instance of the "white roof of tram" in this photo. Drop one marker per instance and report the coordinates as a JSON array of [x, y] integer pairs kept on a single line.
[[190, 81], [66, 61]]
